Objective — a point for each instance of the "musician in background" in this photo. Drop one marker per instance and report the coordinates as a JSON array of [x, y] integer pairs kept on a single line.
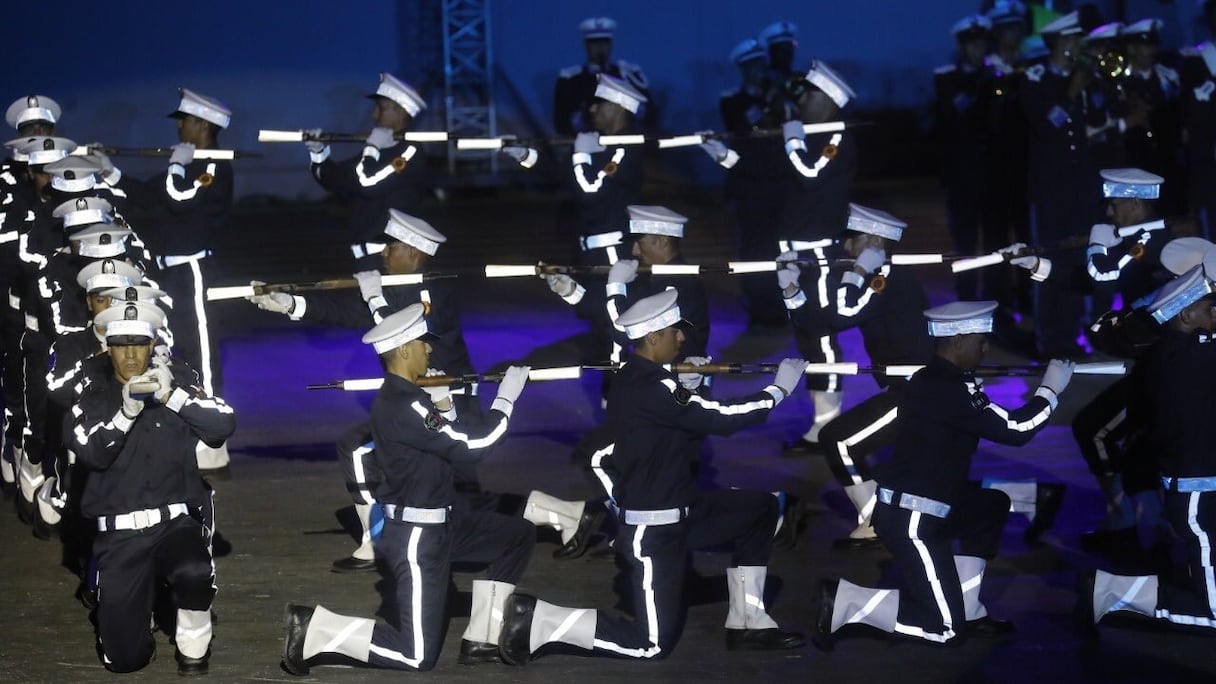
[[1153, 142], [574, 92], [1199, 122], [387, 174]]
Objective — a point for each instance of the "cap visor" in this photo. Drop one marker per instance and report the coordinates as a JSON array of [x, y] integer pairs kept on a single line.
[[429, 336], [127, 340]]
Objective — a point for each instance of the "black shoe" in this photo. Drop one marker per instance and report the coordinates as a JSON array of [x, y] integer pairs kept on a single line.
[[772, 639], [1083, 612], [190, 667], [515, 639], [295, 626], [801, 448], [1048, 498], [989, 627], [823, 639], [352, 564], [588, 525], [857, 544], [87, 596], [477, 652]]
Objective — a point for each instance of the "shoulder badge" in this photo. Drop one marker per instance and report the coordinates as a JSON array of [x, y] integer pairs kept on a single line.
[[682, 395], [980, 401], [434, 421], [1035, 73]]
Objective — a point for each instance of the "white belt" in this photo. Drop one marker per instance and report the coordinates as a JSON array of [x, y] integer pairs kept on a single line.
[[31, 323], [409, 514], [1190, 484], [178, 260], [914, 502], [139, 520], [366, 249], [667, 516], [601, 240]]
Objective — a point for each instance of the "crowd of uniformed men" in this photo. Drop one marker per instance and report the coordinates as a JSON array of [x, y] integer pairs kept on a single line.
[[112, 390]]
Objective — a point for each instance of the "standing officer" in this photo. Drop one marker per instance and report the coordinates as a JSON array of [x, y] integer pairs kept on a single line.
[[816, 209], [575, 90], [419, 435], [963, 96], [1063, 192], [385, 175], [755, 183], [1199, 124], [925, 499], [1153, 144], [780, 41], [663, 514], [136, 431], [1179, 371]]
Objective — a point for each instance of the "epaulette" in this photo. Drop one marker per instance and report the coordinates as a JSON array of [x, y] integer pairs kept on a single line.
[[1167, 73], [945, 69], [570, 71], [1035, 73]]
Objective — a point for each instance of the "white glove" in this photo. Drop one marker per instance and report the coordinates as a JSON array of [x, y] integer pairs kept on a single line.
[[160, 354], [524, 156], [183, 153], [789, 372], [164, 381], [716, 149], [788, 271], [561, 284], [1026, 262], [109, 172], [691, 381], [623, 271], [441, 395], [380, 138], [1012, 250], [314, 146], [1058, 375], [588, 142], [871, 259], [369, 285], [509, 389], [130, 406], [1104, 234], [278, 302], [792, 130]]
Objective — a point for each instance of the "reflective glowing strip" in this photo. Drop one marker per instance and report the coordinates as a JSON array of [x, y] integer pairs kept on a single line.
[[846, 368], [675, 269], [977, 262], [607, 140], [752, 266], [280, 136], [234, 292], [426, 136], [509, 271], [362, 384], [402, 279], [916, 259], [560, 373], [479, 144], [681, 141]]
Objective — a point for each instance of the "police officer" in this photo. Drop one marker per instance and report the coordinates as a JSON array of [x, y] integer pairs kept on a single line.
[[755, 183], [1199, 123], [820, 177], [136, 431], [419, 435], [192, 199], [574, 92], [780, 42], [385, 175], [663, 515], [1152, 142], [885, 302], [1179, 371], [1063, 192], [925, 500]]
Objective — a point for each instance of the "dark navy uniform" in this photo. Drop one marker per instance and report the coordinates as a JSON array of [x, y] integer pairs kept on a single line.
[[145, 491], [603, 185], [575, 92], [663, 513], [374, 181], [1198, 106], [926, 499], [1155, 147]]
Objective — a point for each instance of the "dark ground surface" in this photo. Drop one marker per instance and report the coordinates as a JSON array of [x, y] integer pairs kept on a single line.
[[283, 506]]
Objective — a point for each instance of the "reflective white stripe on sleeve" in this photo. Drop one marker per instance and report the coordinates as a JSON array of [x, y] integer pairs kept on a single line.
[[189, 193], [456, 435], [719, 407], [386, 171], [580, 170], [813, 170]]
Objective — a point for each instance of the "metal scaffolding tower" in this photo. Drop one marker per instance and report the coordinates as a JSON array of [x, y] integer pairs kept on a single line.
[[468, 59]]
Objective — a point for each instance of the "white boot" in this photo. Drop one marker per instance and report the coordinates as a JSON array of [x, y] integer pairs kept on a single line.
[[574, 626], [366, 550], [50, 503], [193, 635], [863, 497], [330, 632], [745, 585], [485, 617], [862, 605], [543, 510], [971, 576], [211, 458], [30, 477], [827, 407], [8, 471], [1121, 592]]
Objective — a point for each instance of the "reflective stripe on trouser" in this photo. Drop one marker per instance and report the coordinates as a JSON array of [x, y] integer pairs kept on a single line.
[[420, 558], [1192, 515], [356, 453], [1100, 427], [192, 335], [130, 563], [857, 433]]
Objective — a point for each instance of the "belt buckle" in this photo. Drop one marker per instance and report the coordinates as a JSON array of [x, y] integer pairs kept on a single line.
[[141, 519]]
